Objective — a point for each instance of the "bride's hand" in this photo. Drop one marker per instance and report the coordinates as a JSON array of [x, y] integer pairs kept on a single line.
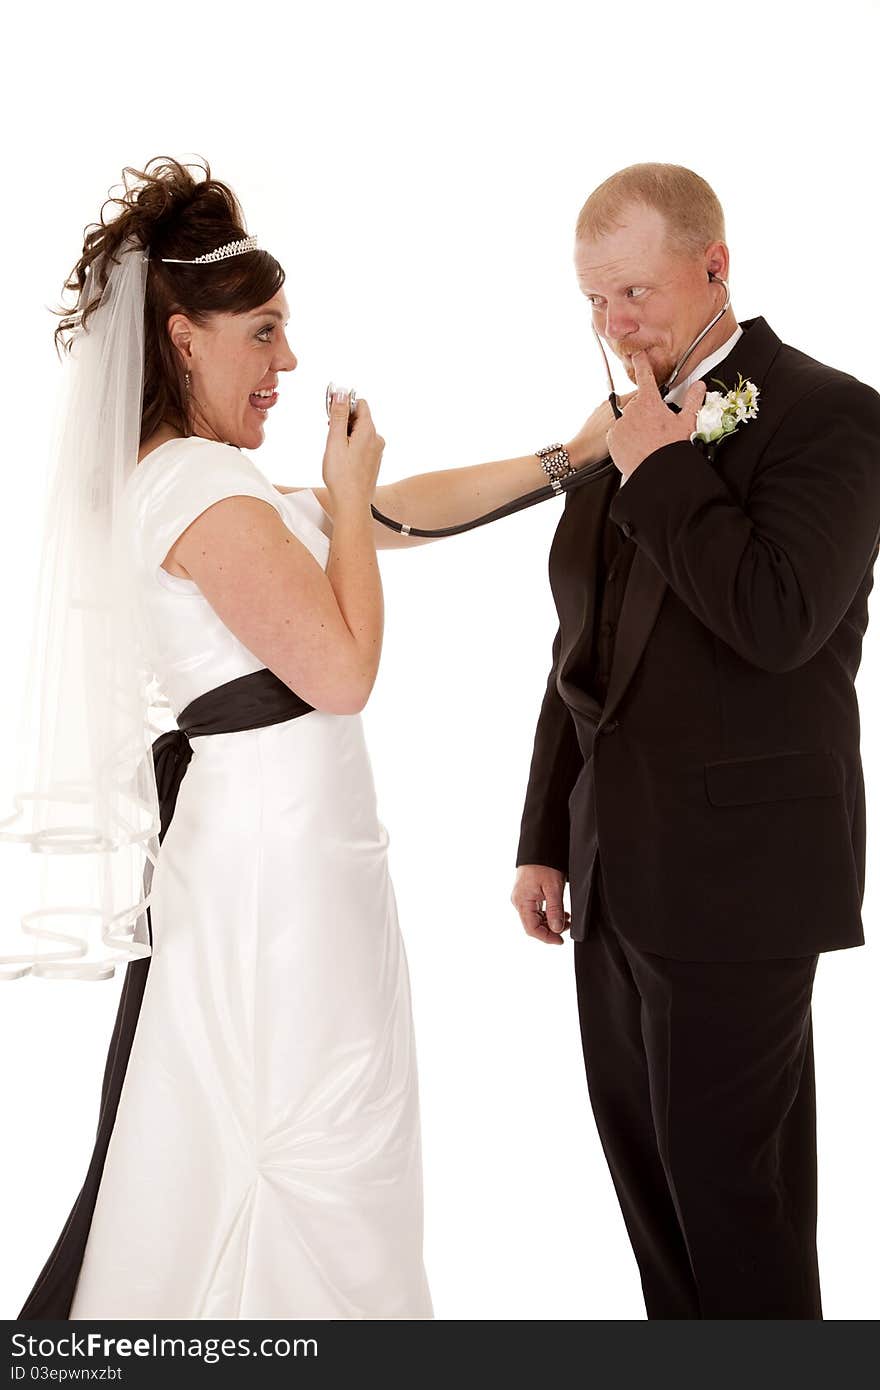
[[351, 461], [588, 445]]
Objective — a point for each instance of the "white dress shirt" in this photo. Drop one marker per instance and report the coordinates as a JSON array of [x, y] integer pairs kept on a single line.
[[677, 394]]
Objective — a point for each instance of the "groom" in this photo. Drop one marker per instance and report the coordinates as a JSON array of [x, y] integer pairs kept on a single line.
[[696, 772]]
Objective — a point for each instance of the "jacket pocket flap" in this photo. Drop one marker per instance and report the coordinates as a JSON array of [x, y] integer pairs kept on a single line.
[[772, 777]]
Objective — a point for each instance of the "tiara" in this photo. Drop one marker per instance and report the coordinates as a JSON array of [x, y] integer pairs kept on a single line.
[[232, 248]]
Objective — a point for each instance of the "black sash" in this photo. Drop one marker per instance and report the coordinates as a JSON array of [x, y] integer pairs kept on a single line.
[[248, 702]]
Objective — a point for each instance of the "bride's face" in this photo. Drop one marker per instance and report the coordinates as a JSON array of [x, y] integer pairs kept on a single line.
[[234, 362]]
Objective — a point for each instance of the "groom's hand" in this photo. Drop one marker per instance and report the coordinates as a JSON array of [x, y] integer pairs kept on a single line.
[[537, 897], [647, 424]]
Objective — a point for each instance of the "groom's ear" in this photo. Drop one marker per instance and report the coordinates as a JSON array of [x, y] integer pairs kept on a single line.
[[717, 260]]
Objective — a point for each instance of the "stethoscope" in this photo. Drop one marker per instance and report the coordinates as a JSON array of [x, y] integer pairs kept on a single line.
[[589, 474]]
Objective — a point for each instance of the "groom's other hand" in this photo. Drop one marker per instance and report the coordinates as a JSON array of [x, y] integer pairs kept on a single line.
[[648, 424], [537, 897]]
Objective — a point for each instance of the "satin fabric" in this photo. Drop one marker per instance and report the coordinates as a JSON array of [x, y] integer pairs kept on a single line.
[[249, 701], [265, 1157]]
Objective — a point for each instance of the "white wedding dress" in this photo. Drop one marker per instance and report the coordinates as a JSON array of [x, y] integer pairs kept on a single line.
[[265, 1160]]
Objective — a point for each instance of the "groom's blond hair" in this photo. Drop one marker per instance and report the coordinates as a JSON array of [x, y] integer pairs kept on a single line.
[[693, 214]]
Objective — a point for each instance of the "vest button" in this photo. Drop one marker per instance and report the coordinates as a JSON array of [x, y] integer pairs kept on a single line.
[[626, 528]]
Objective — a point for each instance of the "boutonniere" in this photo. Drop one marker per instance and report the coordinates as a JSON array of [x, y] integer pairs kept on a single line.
[[722, 412]]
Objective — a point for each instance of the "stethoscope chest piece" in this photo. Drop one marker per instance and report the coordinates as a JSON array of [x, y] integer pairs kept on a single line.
[[328, 399]]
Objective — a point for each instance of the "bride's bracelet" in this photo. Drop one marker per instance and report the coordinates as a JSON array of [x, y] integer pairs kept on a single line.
[[555, 461]]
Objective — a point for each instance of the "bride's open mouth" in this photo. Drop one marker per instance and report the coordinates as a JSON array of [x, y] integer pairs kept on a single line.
[[263, 401]]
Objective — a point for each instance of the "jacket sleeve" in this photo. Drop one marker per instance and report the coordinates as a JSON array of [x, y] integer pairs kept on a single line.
[[556, 764], [775, 579]]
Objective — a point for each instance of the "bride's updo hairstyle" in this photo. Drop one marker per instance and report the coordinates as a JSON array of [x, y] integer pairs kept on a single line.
[[169, 212]]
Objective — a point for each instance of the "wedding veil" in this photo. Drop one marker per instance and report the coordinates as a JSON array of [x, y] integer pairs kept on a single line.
[[85, 799]]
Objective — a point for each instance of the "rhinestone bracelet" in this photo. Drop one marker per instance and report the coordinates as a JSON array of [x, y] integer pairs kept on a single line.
[[556, 464]]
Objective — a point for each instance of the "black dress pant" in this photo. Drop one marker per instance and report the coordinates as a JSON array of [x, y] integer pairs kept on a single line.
[[701, 1079]]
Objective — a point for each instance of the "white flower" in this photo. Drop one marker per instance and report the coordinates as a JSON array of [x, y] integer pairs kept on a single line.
[[745, 397], [710, 416], [721, 413]]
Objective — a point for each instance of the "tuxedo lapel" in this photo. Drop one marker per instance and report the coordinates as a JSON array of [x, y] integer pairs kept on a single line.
[[751, 355], [577, 551], [642, 597]]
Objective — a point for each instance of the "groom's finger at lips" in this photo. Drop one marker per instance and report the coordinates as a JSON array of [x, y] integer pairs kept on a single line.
[[644, 375]]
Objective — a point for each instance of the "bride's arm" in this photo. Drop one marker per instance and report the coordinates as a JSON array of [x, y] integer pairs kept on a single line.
[[450, 496]]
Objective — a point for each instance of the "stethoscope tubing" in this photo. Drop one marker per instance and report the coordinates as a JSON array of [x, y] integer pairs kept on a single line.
[[589, 474]]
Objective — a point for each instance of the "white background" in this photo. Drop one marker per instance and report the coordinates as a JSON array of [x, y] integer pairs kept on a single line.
[[419, 176]]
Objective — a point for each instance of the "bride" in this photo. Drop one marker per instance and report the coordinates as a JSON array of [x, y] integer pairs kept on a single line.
[[258, 1150]]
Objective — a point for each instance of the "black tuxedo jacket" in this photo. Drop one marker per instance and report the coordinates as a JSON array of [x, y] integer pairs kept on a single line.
[[720, 782]]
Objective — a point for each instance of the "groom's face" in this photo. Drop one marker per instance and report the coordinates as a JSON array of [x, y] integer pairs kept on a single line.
[[646, 295]]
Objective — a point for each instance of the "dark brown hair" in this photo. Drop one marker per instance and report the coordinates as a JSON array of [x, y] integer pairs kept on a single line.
[[169, 212]]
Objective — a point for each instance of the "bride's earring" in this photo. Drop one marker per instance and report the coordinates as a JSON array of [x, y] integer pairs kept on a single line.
[[186, 381]]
